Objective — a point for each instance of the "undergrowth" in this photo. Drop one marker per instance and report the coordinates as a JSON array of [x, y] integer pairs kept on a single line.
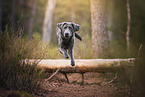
[[14, 74]]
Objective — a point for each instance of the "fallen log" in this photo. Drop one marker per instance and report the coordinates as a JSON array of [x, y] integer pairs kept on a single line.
[[84, 65]]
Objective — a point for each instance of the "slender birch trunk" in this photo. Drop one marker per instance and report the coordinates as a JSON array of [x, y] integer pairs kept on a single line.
[[31, 22], [128, 26], [47, 24]]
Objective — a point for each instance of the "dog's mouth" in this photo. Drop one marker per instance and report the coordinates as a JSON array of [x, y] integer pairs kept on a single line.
[[66, 37]]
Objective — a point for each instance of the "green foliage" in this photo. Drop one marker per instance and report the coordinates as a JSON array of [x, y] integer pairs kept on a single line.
[[83, 49], [18, 94], [116, 50], [46, 50]]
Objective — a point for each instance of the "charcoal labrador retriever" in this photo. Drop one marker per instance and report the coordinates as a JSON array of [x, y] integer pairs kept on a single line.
[[66, 33]]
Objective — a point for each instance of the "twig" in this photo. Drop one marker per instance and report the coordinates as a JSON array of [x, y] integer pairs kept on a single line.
[[128, 26], [54, 74], [139, 50], [82, 83], [65, 74], [112, 79]]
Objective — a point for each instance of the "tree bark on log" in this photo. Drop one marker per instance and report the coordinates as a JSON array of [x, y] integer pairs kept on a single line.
[[84, 65]]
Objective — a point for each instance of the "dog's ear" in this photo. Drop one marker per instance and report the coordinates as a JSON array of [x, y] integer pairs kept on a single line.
[[76, 27], [59, 25]]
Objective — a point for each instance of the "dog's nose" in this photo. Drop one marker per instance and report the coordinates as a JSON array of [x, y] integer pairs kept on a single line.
[[66, 34]]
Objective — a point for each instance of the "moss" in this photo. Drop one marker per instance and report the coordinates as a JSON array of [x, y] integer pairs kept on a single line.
[[18, 94]]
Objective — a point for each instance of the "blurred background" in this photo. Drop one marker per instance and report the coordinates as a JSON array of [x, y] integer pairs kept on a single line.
[[34, 16], [28, 31]]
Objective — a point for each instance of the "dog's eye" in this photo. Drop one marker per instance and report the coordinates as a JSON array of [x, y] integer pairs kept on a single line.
[[65, 27], [70, 28]]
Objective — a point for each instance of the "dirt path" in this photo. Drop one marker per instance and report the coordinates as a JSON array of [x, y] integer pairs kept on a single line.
[[93, 87]]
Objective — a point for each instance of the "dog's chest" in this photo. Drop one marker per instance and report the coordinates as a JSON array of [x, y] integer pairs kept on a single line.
[[66, 44]]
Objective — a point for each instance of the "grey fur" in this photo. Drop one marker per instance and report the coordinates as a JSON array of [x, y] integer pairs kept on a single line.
[[66, 33]]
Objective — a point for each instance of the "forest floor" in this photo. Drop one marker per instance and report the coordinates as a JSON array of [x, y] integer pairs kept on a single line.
[[94, 86]]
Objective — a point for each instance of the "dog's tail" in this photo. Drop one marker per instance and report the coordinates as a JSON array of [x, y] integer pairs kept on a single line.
[[78, 36]]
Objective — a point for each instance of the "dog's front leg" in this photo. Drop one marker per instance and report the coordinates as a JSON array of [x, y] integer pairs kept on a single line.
[[64, 52], [71, 53]]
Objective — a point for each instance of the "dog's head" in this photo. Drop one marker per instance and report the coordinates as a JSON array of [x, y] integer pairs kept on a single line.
[[68, 28]]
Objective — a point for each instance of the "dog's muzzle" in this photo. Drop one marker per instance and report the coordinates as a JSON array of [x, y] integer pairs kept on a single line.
[[66, 35]]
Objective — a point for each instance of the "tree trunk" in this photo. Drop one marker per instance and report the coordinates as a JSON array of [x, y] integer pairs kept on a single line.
[[84, 65], [21, 2], [13, 16], [100, 40], [47, 24], [110, 14], [128, 27], [73, 17], [0, 15], [31, 23]]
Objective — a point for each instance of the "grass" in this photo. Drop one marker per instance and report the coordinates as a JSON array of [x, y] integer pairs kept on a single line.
[[50, 51], [82, 49], [15, 75]]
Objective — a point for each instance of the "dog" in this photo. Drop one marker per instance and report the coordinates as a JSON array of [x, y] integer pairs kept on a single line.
[[66, 33]]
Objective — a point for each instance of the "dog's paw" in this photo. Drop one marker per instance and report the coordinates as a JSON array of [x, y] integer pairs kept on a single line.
[[72, 63], [66, 57]]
